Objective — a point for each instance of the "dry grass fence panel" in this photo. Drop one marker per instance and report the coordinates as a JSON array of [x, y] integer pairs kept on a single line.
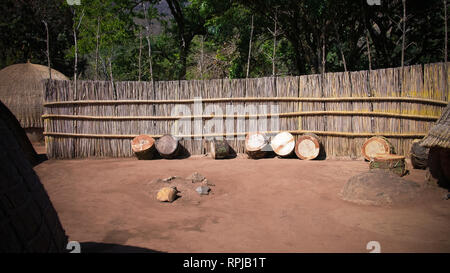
[[165, 91], [211, 89], [387, 83], [434, 83], [59, 147], [310, 88], [288, 87], [338, 85], [413, 87], [237, 89], [360, 124], [104, 117]]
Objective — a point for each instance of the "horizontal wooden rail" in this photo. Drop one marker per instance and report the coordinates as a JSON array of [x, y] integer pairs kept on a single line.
[[295, 132], [261, 99], [247, 116]]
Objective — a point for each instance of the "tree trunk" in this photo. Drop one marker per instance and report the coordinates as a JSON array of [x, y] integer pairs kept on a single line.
[[368, 52], [143, 146], [220, 149], [167, 146], [110, 71], [283, 144], [308, 146], [147, 28], [323, 53], [202, 53], [274, 46], [111, 76], [150, 56], [375, 146], [340, 46], [48, 52], [140, 54], [445, 49], [394, 163], [76, 60], [256, 145], [75, 29], [97, 47], [185, 37], [184, 48], [403, 34], [249, 49]]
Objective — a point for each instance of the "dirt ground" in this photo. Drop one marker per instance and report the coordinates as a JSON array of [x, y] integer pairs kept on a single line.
[[267, 205]]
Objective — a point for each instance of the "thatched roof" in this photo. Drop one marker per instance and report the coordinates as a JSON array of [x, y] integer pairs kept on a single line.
[[19, 134], [29, 222], [22, 91], [439, 134]]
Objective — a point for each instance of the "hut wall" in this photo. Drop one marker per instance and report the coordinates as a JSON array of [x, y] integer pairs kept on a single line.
[[344, 109]]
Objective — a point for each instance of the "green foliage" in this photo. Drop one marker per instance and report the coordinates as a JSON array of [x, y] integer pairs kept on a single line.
[[204, 39], [23, 35]]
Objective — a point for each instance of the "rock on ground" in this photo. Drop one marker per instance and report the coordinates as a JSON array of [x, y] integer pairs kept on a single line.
[[186, 188], [203, 190], [196, 177], [167, 194], [379, 187]]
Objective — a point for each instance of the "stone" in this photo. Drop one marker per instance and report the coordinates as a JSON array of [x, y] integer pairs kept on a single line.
[[167, 194], [168, 179], [206, 183], [203, 190], [379, 187], [196, 177]]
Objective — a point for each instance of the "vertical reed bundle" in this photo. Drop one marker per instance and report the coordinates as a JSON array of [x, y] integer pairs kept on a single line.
[[387, 82], [338, 85], [360, 88]]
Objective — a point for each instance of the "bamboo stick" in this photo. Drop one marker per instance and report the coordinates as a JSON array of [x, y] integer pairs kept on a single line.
[[291, 114], [296, 132], [260, 99]]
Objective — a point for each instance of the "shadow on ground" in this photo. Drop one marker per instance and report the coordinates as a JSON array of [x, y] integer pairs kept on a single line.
[[39, 159], [92, 247]]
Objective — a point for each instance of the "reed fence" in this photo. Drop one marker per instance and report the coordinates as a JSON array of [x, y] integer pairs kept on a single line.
[[344, 109]]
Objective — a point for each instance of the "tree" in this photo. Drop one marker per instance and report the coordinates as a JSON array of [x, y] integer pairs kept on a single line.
[[189, 22], [48, 50], [249, 49], [23, 37], [275, 33], [445, 48], [147, 28], [76, 27], [202, 39], [105, 35], [403, 32]]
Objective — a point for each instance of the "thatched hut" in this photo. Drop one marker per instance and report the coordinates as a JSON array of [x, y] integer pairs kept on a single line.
[[29, 222], [19, 134], [438, 140], [22, 91]]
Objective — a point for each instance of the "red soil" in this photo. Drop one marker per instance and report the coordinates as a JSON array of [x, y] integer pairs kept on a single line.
[[267, 205]]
